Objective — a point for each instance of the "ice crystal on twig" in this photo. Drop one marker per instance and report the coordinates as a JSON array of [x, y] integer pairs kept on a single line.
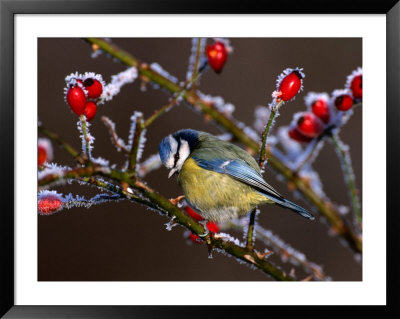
[[159, 69], [193, 53], [118, 142], [150, 164], [117, 81]]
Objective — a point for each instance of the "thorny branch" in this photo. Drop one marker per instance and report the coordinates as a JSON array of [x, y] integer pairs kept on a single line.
[[145, 195], [192, 98]]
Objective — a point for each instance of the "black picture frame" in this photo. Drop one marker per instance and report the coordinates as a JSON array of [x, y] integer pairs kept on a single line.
[[8, 10]]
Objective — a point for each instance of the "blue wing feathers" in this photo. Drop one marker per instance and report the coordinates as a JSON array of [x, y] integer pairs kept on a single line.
[[241, 171]]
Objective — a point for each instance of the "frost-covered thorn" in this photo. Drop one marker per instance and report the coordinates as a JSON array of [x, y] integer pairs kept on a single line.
[[249, 258], [264, 254], [175, 201], [171, 223]]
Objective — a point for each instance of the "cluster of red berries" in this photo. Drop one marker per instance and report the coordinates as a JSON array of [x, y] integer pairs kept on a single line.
[[311, 124], [212, 227], [217, 54], [83, 92]]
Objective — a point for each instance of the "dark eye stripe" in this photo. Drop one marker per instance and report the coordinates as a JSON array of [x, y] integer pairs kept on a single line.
[[176, 156]]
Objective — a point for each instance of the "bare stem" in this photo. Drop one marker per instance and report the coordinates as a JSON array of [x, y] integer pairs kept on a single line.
[[344, 156], [85, 136], [133, 153], [261, 160], [119, 144]]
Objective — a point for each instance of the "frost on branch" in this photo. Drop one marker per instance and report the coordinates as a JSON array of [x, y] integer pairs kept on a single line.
[[159, 69], [192, 58], [86, 138], [115, 139], [50, 202], [117, 81], [150, 164], [142, 139], [218, 102]]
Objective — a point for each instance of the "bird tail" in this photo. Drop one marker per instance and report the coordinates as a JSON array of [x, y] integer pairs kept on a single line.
[[292, 206]]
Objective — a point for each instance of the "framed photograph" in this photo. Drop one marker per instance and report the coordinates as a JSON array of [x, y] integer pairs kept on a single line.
[[241, 111]]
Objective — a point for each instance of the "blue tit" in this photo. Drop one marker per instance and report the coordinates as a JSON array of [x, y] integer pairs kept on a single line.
[[220, 180]]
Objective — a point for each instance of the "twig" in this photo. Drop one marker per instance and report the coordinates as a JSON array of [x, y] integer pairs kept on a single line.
[[68, 148], [120, 145], [86, 150], [344, 156], [133, 153], [174, 101], [261, 160], [283, 249]]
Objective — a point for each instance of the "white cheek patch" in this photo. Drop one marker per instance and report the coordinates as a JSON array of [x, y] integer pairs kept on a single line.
[[184, 152], [174, 147]]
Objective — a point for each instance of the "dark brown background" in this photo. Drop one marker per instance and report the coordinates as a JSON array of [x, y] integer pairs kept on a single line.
[[126, 242]]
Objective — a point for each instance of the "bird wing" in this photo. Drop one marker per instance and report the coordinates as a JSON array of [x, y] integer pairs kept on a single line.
[[239, 170]]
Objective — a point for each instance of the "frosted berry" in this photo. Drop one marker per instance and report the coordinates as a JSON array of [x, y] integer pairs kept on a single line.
[[193, 214], [49, 204], [344, 102], [42, 155], [93, 87], [290, 85], [90, 110], [212, 227], [76, 100], [310, 125], [321, 109], [297, 136], [217, 56], [356, 87]]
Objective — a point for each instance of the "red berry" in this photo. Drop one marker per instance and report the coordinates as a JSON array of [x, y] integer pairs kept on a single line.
[[49, 204], [76, 99], [194, 238], [42, 155], [310, 125], [93, 87], [212, 227], [290, 85], [296, 135], [193, 214], [217, 55], [356, 87], [344, 102], [321, 109], [90, 110]]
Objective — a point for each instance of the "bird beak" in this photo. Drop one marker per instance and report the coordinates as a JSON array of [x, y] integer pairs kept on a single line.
[[171, 172]]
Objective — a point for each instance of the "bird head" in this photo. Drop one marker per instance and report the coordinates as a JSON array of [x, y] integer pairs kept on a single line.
[[175, 148]]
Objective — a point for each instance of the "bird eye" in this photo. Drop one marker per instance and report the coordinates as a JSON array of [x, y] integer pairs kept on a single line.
[[176, 156]]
